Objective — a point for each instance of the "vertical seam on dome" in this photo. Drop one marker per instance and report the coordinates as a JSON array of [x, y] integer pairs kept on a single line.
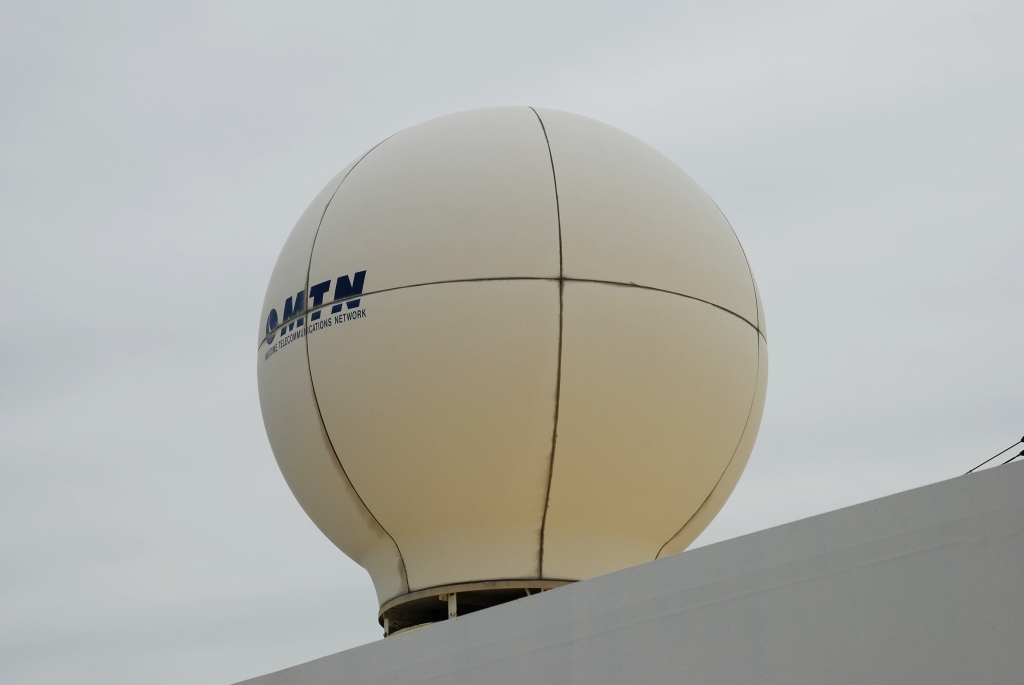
[[554, 180], [750, 272], [316, 400], [746, 424], [558, 372]]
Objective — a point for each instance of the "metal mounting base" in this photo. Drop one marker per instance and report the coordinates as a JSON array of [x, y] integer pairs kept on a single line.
[[448, 601]]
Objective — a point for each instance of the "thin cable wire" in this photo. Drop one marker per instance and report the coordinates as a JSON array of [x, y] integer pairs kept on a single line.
[[1012, 458], [996, 455]]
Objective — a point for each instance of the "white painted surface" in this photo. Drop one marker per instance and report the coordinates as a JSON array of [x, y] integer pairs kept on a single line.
[[656, 394], [926, 586], [296, 433], [727, 483], [630, 215], [467, 195], [442, 414], [472, 410]]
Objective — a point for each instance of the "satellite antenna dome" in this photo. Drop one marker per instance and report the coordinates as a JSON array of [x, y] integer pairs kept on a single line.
[[508, 349]]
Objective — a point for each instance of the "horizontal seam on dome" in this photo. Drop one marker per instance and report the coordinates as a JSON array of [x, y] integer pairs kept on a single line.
[[668, 292], [527, 278]]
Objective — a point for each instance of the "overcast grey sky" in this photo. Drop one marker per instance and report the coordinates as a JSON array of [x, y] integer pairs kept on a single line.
[[153, 158]]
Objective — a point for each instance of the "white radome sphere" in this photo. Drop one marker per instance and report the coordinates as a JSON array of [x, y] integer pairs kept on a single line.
[[510, 348]]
